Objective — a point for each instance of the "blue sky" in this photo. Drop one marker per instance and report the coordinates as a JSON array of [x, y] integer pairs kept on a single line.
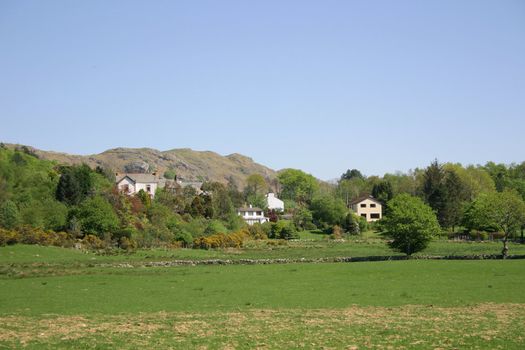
[[318, 85]]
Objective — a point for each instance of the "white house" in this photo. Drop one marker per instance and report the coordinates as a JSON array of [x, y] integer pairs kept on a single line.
[[252, 215], [368, 207], [274, 202], [133, 183]]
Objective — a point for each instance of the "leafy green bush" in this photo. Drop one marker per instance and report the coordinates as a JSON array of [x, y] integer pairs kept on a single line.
[[96, 217], [283, 229]]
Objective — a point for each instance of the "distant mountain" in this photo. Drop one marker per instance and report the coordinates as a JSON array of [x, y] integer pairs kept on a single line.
[[188, 164]]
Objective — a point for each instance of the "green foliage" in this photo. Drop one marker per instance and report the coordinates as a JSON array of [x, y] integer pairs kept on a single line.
[[170, 174], [349, 189], [30, 183], [215, 226], [258, 231], [9, 215], [501, 211], [255, 185], [75, 184], [455, 197], [297, 185], [328, 211], [96, 217], [283, 229], [303, 218], [433, 189], [352, 174], [410, 224], [382, 191], [351, 224], [144, 197]]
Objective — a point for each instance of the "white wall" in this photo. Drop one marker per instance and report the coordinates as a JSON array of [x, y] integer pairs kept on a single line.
[[126, 182], [274, 202]]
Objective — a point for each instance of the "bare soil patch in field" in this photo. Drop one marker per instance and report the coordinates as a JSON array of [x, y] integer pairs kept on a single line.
[[408, 327]]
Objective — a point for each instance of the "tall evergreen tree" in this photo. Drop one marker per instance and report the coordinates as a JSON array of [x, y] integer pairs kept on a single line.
[[455, 194], [433, 190]]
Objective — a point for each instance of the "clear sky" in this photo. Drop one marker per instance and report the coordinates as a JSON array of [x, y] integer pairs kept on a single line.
[[318, 85]]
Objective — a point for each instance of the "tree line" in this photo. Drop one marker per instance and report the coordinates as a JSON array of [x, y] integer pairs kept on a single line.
[[82, 202]]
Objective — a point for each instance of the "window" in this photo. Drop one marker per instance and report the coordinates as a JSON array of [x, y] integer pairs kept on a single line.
[[148, 188], [375, 216], [259, 213], [363, 205], [372, 205], [125, 188], [363, 215]]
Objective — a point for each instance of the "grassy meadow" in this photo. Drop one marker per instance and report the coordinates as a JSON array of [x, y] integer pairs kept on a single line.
[[54, 298]]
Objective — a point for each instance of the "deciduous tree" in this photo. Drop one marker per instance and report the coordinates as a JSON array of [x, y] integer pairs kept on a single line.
[[410, 224]]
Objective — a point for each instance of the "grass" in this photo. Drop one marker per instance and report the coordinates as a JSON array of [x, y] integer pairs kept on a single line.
[[79, 304], [227, 288], [314, 248], [486, 326]]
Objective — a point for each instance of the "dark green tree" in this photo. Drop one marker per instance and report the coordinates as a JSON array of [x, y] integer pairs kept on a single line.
[[352, 174], [455, 198], [75, 184], [434, 191]]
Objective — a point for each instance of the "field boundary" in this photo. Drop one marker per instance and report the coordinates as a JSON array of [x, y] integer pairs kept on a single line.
[[169, 263]]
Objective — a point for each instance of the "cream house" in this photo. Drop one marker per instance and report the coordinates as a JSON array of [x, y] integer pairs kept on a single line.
[[133, 183], [252, 215], [368, 207]]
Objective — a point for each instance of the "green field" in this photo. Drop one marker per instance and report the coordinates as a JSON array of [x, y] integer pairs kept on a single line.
[[402, 304], [318, 248]]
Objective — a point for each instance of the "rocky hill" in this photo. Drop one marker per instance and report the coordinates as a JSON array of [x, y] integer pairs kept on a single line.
[[188, 164]]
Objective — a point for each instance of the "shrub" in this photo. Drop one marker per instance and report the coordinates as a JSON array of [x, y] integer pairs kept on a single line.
[[8, 237], [183, 237], [256, 231], [283, 229], [96, 216], [221, 240], [93, 242], [9, 215], [337, 232], [127, 243]]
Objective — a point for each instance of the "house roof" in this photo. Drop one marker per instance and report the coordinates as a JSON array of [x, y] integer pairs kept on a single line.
[[249, 209], [362, 198], [138, 178]]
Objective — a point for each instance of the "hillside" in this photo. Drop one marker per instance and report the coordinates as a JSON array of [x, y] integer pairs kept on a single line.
[[188, 164]]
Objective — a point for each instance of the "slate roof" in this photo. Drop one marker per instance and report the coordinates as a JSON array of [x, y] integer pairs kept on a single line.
[[139, 178], [362, 198], [249, 209]]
